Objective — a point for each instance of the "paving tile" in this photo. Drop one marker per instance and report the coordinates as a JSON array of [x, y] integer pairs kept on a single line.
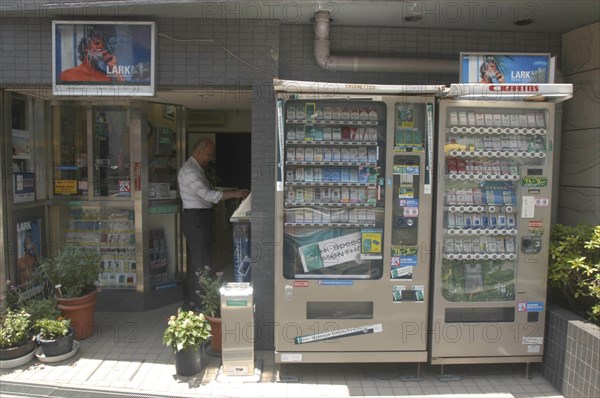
[[145, 365]]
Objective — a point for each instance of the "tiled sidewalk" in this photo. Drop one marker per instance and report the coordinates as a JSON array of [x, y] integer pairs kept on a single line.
[[126, 356]]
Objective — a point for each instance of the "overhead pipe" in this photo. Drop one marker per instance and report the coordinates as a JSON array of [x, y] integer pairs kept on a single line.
[[370, 64]]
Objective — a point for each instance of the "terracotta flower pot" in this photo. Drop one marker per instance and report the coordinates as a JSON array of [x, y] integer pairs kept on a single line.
[[81, 312], [215, 331]]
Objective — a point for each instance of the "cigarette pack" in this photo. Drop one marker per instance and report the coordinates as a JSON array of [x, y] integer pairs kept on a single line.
[[318, 154]]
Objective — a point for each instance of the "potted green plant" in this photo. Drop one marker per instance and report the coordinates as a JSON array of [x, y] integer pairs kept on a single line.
[[9, 298], [42, 308], [55, 336], [209, 295], [74, 272], [15, 339], [185, 334]]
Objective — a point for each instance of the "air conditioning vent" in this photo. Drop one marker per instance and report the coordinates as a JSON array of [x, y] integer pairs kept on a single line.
[[205, 118]]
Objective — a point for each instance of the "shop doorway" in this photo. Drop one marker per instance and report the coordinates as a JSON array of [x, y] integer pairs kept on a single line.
[[233, 161]]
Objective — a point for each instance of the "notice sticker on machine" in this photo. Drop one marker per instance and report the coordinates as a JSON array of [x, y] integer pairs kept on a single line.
[[291, 357], [528, 207], [542, 201], [535, 306], [532, 340], [535, 224], [532, 181], [404, 273], [357, 331], [336, 282], [534, 348], [330, 252], [409, 203], [411, 212]]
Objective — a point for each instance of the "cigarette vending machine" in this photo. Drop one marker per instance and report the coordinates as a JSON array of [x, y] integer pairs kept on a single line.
[[353, 222], [493, 206]]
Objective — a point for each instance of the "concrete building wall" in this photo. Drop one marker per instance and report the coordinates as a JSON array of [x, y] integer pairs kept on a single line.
[[579, 190], [263, 50]]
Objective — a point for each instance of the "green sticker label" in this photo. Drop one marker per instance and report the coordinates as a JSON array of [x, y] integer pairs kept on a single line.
[[237, 303], [531, 181], [163, 209]]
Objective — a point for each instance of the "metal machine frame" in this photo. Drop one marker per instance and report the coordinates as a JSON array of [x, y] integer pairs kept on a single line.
[[321, 316], [501, 237]]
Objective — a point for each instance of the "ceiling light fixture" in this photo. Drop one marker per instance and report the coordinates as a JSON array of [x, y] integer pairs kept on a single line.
[[413, 18], [524, 22], [413, 14]]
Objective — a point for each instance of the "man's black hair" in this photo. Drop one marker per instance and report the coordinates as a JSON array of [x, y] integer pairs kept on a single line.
[[92, 34]]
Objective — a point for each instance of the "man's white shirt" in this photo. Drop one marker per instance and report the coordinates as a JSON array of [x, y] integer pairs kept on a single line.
[[194, 188]]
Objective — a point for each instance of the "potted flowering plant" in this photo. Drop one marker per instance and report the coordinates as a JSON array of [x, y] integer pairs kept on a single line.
[[210, 302], [185, 334], [15, 339], [55, 336]]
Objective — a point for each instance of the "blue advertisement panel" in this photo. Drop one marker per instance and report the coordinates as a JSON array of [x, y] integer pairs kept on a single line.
[[29, 250], [493, 68], [103, 58]]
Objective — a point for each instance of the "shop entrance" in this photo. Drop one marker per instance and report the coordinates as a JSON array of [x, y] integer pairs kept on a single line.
[[114, 165], [231, 169]]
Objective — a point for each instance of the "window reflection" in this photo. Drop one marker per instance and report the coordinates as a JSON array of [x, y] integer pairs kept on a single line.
[[111, 151]]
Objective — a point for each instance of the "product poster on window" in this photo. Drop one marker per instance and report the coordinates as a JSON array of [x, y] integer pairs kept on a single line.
[[103, 58], [29, 246]]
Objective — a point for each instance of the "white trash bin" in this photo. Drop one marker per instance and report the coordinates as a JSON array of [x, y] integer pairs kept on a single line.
[[237, 316]]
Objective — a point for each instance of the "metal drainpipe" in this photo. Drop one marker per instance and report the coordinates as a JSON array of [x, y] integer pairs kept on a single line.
[[370, 64]]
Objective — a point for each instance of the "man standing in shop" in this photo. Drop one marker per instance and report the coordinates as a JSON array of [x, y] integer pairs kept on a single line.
[[198, 198]]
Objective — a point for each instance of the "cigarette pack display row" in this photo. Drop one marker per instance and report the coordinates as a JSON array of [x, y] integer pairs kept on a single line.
[[329, 216], [496, 119], [318, 195], [483, 244], [478, 196], [340, 133], [480, 220], [316, 111], [528, 143], [332, 154], [467, 166], [334, 175]]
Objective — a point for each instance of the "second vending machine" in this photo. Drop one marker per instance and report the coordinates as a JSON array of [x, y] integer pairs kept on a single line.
[[494, 197], [353, 225]]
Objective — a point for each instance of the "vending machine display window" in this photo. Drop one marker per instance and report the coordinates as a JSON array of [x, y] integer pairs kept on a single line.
[[495, 161], [334, 191], [486, 153]]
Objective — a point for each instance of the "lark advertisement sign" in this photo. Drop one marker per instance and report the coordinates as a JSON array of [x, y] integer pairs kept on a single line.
[[93, 58], [495, 68]]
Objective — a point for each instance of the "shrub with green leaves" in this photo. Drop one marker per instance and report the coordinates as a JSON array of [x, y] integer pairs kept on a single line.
[[53, 329], [9, 297], [76, 269], [574, 268], [42, 308], [14, 330], [186, 330], [209, 293]]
